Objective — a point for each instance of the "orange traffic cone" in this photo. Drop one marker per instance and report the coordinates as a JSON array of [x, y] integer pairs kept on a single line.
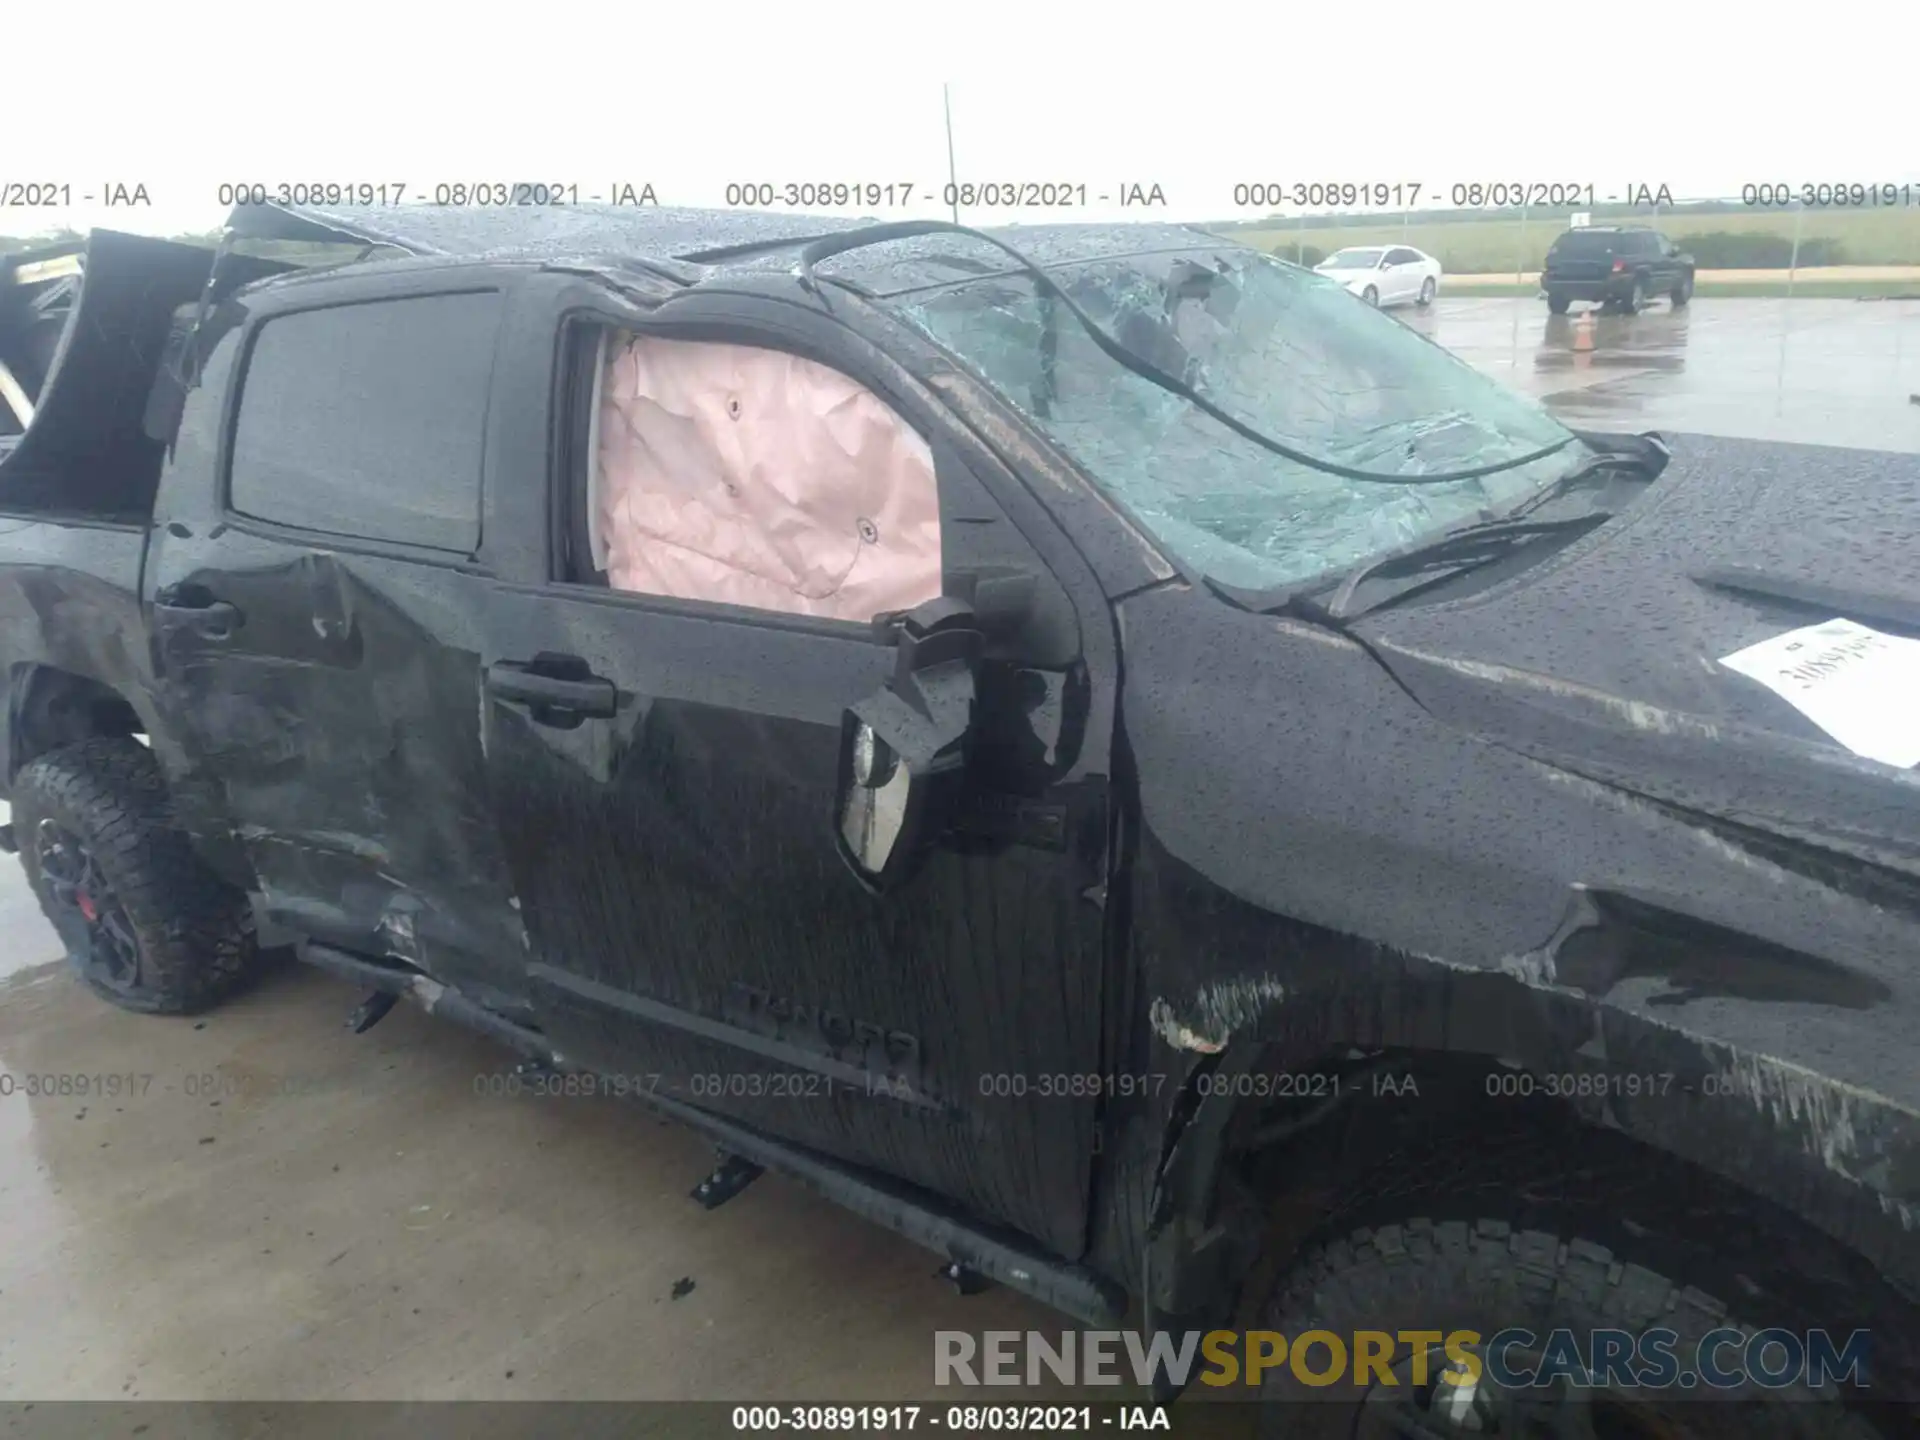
[[1583, 330]]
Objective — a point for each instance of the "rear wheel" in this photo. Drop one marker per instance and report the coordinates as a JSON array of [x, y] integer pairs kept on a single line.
[[146, 924], [1636, 298], [1557, 303]]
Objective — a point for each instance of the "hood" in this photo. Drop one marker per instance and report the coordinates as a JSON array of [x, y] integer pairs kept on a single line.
[[1606, 660]]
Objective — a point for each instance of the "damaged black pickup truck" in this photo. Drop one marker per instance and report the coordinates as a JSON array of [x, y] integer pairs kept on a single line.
[[1090, 746]]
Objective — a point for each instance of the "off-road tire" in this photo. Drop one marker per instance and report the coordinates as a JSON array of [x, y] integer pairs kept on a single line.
[[194, 932], [1558, 304], [1578, 1232]]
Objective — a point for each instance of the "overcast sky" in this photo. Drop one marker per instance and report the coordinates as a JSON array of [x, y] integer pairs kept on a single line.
[[1194, 98]]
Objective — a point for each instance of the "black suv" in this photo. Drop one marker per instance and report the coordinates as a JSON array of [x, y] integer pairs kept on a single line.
[[1623, 267]]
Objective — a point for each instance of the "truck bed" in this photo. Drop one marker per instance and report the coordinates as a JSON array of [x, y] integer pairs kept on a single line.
[[106, 552], [83, 450]]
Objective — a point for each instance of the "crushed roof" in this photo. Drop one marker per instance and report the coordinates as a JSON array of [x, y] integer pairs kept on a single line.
[[661, 233]]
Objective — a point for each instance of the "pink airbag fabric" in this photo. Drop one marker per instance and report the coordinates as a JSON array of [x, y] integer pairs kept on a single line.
[[751, 477]]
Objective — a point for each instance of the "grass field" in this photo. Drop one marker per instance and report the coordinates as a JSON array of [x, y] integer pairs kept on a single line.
[[1807, 286], [1484, 247]]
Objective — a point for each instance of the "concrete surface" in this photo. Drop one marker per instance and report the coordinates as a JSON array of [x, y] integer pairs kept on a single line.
[[26, 939], [275, 1209], [1820, 372]]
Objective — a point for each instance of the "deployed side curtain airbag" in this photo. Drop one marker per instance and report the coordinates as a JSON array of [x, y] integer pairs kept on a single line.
[[751, 477]]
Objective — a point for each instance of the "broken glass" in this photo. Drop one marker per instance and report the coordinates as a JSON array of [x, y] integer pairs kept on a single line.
[[1287, 352]]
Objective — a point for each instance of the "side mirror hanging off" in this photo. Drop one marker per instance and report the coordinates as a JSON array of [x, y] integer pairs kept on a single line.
[[903, 749]]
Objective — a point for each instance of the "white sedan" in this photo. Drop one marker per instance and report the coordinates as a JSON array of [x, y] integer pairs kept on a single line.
[[1385, 274]]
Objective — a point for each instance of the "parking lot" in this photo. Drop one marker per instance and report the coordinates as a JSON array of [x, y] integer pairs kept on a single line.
[[1818, 372], [274, 1208]]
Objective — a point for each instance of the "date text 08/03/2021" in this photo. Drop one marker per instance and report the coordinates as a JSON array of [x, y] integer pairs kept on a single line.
[[952, 1419]]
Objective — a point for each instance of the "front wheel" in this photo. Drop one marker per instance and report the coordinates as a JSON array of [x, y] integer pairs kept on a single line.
[[1476, 1265], [1371, 296], [1426, 292], [146, 924], [1683, 292]]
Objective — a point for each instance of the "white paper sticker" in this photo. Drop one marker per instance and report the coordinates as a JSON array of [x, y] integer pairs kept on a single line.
[[1858, 685]]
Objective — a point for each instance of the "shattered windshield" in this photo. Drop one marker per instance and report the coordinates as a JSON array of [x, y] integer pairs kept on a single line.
[[1288, 352]]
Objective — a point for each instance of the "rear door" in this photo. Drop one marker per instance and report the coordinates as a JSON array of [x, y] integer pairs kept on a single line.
[[670, 827], [1637, 249], [1406, 272], [1667, 259], [1649, 259], [316, 614]]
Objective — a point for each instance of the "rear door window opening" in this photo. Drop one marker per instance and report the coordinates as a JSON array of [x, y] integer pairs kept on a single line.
[[368, 419]]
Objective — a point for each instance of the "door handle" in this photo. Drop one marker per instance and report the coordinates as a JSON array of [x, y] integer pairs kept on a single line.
[[557, 683], [215, 620]]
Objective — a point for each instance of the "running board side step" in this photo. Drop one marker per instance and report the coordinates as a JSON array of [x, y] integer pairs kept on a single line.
[[964, 1244], [426, 992], [729, 1178], [372, 1010]]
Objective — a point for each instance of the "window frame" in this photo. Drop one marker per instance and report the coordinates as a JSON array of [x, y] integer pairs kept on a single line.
[[349, 292], [998, 523]]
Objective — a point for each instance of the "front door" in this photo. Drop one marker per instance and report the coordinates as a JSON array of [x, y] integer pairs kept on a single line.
[[665, 775]]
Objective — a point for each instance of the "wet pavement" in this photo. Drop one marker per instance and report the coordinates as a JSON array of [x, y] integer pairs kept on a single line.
[[267, 1207], [264, 1206], [1819, 372], [26, 939]]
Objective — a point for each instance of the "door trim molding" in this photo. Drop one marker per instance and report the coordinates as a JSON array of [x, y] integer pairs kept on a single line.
[[857, 1077]]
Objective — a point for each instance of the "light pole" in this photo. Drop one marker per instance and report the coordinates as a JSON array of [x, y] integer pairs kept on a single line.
[[1793, 260], [953, 177]]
